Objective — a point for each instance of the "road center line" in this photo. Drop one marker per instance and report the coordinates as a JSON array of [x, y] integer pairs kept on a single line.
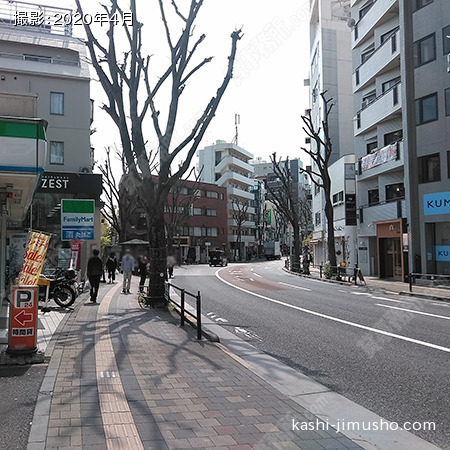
[[412, 311], [335, 319], [293, 286]]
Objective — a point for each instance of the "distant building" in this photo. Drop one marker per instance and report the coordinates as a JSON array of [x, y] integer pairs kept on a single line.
[[195, 217], [228, 165], [46, 62]]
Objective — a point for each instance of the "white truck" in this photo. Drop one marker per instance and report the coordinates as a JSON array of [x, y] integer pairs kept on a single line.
[[272, 250]]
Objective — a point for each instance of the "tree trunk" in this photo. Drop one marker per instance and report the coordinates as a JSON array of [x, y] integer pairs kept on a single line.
[[158, 254], [329, 213], [297, 248]]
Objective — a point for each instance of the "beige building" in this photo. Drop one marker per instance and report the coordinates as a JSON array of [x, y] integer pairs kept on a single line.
[[41, 60]]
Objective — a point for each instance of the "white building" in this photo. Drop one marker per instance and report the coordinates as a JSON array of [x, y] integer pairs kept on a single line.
[[379, 149], [330, 71], [227, 165]]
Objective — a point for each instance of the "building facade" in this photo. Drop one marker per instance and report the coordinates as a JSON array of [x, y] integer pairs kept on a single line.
[[196, 214], [425, 56], [43, 60], [330, 73], [228, 165]]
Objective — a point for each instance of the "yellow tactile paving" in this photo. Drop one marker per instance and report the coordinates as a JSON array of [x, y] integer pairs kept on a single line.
[[118, 423]]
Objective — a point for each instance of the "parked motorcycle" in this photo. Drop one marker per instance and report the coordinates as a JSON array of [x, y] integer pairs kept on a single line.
[[59, 285]]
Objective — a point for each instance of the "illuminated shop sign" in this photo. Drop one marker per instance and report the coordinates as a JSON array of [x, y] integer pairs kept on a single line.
[[438, 203]]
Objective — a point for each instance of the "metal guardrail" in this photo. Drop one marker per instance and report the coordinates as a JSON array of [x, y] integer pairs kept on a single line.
[[182, 306], [432, 278]]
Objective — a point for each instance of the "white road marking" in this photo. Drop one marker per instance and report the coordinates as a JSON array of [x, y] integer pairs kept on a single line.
[[335, 319], [441, 304], [361, 293], [412, 311], [345, 292], [389, 300], [293, 286], [210, 313], [219, 319], [265, 268], [257, 275], [251, 279]]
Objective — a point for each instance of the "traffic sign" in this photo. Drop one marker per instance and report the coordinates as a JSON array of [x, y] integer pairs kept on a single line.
[[77, 219], [22, 337]]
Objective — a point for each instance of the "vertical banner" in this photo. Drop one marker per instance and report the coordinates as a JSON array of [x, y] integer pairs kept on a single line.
[[33, 259], [75, 249]]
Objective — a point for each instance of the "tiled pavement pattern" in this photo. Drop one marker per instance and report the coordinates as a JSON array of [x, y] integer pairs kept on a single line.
[[177, 391]]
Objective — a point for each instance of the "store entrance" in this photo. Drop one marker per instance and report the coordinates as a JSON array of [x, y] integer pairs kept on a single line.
[[390, 258]]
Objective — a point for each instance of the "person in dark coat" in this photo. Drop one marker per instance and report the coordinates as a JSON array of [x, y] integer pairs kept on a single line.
[[142, 265], [111, 267], [94, 273]]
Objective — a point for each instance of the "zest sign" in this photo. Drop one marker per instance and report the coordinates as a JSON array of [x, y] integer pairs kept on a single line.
[[22, 337]]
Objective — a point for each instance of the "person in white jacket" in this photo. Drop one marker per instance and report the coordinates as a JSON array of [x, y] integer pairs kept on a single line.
[[127, 268]]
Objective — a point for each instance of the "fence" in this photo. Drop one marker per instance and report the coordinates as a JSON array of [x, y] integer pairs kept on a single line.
[[428, 279], [182, 306]]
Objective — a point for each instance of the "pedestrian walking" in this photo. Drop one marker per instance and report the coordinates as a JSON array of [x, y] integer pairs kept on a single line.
[[127, 270], [94, 273], [111, 267], [142, 265], [170, 264]]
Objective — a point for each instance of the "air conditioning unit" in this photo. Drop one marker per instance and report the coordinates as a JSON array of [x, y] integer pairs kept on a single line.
[[85, 170]]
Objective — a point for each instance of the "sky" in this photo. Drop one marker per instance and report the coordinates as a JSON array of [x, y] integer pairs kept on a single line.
[[267, 90]]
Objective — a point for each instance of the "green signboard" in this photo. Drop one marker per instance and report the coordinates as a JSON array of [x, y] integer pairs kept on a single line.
[[77, 219]]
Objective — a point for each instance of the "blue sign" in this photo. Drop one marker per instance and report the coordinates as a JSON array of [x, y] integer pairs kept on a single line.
[[438, 203], [68, 235], [442, 252]]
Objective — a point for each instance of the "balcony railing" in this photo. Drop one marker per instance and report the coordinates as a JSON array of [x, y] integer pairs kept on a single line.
[[381, 59], [42, 59], [379, 109]]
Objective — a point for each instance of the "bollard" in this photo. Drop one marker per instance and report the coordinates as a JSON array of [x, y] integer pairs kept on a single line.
[[199, 317], [410, 282], [355, 275], [320, 271], [182, 308]]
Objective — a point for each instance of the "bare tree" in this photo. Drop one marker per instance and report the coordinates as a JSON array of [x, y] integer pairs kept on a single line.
[[123, 78], [320, 153], [287, 202], [239, 214]]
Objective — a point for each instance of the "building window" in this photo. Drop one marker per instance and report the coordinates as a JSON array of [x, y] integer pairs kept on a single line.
[[425, 50], [392, 138], [57, 103], [38, 58], [367, 54], [369, 98], [426, 109], [56, 152], [374, 197], [371, 147], [317, 220], [211, 212], [447, 102], [316, 189], [364, 10], [197, 212], [446, 39], [421, 3], [338, 197], [386, 36], [448, 163], [390, 84], [212, 194], [395, 192], [429, 168]]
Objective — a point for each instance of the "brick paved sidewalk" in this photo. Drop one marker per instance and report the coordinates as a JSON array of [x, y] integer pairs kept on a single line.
[[129, 378]]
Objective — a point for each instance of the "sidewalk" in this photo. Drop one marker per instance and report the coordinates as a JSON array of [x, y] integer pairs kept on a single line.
[[122, 377], [393, 286]]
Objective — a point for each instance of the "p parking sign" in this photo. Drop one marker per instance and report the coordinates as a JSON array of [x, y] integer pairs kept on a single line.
[[77, 219]]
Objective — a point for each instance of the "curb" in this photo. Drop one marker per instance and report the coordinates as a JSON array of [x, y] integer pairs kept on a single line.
[[324, 280], [425, 296]]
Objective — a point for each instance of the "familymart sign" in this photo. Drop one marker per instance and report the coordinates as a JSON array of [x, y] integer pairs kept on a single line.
[[77, 219]]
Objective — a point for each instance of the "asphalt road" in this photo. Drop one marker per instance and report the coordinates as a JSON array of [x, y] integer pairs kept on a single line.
[[390, 354], [19, 387]]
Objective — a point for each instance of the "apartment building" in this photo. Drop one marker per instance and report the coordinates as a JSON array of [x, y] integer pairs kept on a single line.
[[41, 59], [379, 146], [330, 72], [425, 60], [227, 165]]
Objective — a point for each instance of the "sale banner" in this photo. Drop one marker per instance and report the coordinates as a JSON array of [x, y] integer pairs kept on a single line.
[[75, 249], [34, 258]]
